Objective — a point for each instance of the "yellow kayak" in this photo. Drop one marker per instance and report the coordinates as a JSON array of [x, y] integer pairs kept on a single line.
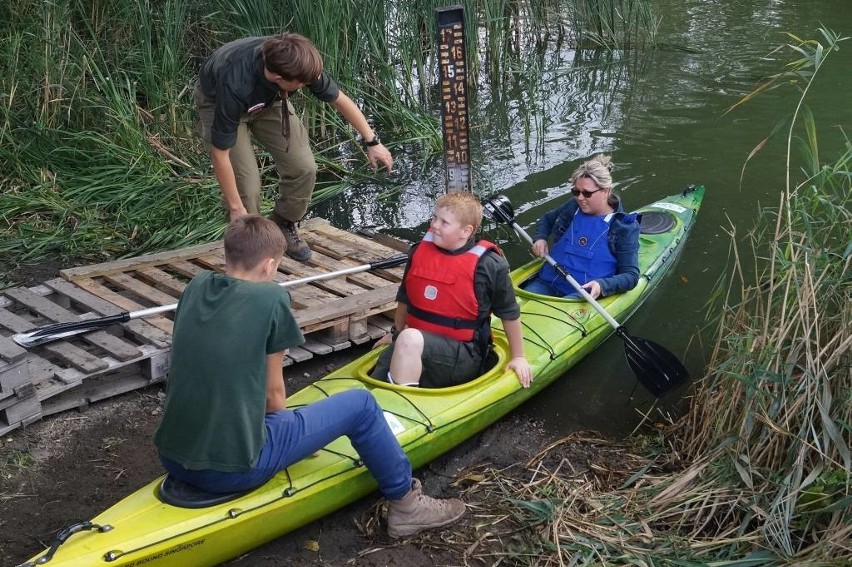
[[143, 529]]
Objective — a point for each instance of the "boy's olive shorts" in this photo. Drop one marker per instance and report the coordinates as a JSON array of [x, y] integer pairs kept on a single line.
[[446, 362]]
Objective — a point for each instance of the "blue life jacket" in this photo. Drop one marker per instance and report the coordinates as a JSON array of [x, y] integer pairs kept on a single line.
[[583, 251]]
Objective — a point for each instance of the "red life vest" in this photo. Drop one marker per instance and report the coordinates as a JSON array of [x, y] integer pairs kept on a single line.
[[440, 290]]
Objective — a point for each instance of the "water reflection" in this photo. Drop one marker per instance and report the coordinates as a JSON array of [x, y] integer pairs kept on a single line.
[[661, 114]]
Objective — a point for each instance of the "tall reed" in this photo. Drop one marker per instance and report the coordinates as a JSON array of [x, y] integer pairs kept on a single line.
[[757, 471]]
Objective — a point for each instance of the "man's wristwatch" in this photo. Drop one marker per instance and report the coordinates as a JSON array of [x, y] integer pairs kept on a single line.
[[374, 142]]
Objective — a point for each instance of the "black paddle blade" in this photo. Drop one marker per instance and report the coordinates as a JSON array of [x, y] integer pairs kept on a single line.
[[499, 209], [655, 367]]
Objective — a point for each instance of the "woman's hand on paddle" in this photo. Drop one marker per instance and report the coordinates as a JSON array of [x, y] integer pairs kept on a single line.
[[594, 288], [540, 248], [522, 369]]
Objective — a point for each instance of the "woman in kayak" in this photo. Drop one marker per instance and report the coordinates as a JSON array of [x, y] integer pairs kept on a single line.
[[595, 240], [226, 426]]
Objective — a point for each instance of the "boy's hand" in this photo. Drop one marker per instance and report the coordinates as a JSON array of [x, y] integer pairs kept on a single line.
[[385, 340], [522, 369], [540, 248]]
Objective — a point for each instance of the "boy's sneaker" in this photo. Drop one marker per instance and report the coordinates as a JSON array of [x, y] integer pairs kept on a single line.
[[296, 247], [416, 512]]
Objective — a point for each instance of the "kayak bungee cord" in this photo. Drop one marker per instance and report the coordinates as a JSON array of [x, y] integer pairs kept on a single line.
[[427, 424], [430, 427]]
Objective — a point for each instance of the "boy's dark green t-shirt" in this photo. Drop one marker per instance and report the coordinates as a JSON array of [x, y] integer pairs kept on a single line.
[[216, 394]]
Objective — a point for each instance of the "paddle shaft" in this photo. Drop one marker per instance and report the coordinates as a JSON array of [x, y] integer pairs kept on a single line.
[[564, 273], [55, 331]]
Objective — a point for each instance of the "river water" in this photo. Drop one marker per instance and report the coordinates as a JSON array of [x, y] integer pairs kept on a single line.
[[661, 115]]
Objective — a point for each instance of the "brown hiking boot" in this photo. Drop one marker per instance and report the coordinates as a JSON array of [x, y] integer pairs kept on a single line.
[[416, 512], [296, 247]]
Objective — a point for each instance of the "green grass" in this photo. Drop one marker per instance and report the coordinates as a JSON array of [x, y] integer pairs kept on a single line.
[[98, 158], [19, 459]]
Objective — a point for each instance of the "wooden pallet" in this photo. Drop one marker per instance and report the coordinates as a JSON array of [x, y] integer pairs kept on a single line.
[[334, 314]]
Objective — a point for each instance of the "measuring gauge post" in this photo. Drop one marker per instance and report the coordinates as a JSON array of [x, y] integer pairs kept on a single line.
[[454, 112]]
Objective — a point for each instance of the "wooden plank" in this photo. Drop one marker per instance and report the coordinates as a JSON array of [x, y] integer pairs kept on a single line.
[[382, 296], [117, 266], [104, 292], [10, 351], [23, 413], [45, 375], [362, 280], [141, 289], [139, 329], [377, 327], [311, 344], [340, 249], [373, 278], [184, 268], [299, 354], [358, 330], [157, 367], [118, 348], [307, 297], [161, 280], [18, 403], [384, 239], [337, 334], [214, 260], [96, 388], [365, 250], [70, 353], [40, 369], [12, 376], [320, 337]]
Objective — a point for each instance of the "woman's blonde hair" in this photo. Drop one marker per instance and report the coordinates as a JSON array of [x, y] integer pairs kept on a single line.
[[598, 170]]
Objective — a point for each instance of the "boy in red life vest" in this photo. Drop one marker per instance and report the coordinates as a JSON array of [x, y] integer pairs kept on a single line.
[[451, 286]]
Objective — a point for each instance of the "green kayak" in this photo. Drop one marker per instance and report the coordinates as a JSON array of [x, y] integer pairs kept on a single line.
[[142, 529]]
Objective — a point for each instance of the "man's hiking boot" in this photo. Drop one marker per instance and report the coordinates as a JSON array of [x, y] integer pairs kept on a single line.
[[296, 247], [416, 512]]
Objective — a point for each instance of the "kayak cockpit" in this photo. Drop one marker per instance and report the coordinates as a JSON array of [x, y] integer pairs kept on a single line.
[[182, 495]]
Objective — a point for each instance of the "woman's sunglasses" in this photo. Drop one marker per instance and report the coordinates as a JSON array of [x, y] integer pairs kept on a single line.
[[587, 194]]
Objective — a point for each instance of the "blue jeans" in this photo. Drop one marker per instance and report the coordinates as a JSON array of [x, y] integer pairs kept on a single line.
[[292, 435], [538, 285]]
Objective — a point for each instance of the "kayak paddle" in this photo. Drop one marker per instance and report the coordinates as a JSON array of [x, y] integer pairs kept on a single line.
[[655, 367], [55, 331]]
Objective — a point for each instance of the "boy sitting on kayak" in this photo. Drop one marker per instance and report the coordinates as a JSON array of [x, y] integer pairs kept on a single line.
[[451, 286], [225, 426]]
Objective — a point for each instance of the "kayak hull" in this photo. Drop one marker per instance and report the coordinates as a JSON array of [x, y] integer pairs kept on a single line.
[[558, 333]]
